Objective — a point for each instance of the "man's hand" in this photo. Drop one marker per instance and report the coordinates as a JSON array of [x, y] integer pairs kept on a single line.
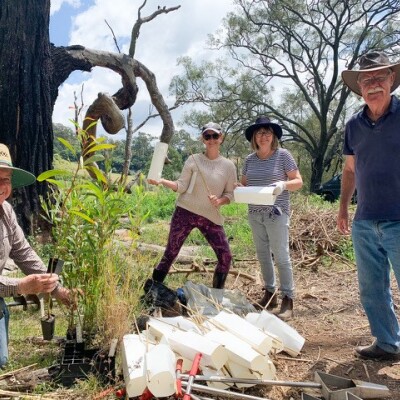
[[279, 187], [67, 297], [342, 222], [37, 283]]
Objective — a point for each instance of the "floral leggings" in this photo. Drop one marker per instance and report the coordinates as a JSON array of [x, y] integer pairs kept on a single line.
[[182, 223]]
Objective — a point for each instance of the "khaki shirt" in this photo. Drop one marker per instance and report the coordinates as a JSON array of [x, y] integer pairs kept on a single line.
[[14, 245]]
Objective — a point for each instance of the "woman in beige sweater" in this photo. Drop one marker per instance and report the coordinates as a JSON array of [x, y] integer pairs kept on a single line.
[[206, 183]]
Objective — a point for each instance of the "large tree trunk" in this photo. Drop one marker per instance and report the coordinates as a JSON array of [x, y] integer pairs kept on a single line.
[[25, 104]]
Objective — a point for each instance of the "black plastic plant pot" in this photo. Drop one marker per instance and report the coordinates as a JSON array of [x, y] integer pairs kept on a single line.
[[48, 323], [55, 266]]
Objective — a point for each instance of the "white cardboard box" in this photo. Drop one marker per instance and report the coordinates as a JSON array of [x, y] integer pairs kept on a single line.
[[258, 195]]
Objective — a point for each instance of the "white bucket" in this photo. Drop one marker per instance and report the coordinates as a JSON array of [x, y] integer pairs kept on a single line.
[[133, 352], [263, 195], [255, 337], [188, 344], [158, 160], [239, 351], [161, 371], [270, 323]]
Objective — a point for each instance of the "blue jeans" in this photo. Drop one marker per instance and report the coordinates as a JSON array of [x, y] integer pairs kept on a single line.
[[377, 248], [4, 333], [271, 237]]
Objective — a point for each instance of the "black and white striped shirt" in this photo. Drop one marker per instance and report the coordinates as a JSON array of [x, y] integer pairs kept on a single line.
[[260, 172]]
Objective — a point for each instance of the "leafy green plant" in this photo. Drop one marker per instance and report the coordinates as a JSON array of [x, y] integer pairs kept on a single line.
[[85, 216]]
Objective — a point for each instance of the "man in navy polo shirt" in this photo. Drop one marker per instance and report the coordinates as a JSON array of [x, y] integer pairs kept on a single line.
[[372, 165]]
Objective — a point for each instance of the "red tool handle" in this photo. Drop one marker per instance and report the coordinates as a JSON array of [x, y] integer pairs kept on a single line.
[[179, 392], [192, 374], [120, 393], [146, 395]]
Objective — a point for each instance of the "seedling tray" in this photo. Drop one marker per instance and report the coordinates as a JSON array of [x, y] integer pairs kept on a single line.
[[76, 363]]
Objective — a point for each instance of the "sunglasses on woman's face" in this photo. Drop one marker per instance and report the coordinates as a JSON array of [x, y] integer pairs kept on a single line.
[[208, 136]]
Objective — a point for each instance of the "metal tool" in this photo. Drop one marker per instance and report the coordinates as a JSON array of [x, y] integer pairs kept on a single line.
[[332, 387], [192, 374], [305, 396], [337, 388], [24, 301], [216, 378], [222, 392], [351, 396]]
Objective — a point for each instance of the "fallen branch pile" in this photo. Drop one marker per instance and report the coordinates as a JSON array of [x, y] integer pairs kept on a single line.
[[313, 235]]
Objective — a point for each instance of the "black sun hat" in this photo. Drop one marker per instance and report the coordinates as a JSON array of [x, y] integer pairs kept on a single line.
[[263, 122], [369, 62], [19, 177]]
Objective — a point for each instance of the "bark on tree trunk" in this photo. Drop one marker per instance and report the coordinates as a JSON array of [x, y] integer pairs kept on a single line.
[[25, 104], [316, 173]]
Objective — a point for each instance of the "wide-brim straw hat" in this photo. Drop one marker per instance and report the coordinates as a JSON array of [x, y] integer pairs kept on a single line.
[[263, 122], [20, 177], [373, 61]]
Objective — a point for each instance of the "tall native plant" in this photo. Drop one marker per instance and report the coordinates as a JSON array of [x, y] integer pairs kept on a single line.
[[85, 215]]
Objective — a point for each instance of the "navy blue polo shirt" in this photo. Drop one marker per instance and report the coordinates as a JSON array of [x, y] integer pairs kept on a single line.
[[376, 147]]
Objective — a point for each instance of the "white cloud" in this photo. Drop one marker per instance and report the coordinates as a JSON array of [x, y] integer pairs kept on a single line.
[[57, 4], [180, 33]]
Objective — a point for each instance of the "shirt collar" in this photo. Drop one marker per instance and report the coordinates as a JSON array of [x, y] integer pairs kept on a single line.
[[394, 102]]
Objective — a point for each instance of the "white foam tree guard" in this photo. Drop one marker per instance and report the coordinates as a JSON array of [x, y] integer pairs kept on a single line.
[[239, 371], [133, 352], [186, 363], [268, 372], [184, 324], [292, 341], [160, 329], [262, 195], [160, 364], [255, 337], [188, 344], [158, 160], [239, 351], [223, 373]]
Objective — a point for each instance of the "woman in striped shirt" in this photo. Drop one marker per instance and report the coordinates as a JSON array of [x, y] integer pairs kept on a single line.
[[271, 165]]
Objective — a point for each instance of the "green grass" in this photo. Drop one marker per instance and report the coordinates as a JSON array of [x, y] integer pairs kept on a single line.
[[26, 346]]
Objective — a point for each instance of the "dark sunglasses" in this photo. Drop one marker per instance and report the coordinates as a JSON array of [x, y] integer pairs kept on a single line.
[[208, 136]]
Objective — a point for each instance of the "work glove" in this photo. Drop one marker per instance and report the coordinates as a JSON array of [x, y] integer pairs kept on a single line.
[[279, 187]]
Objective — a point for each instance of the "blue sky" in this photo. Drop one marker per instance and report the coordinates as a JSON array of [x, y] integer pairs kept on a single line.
[[161, 42]]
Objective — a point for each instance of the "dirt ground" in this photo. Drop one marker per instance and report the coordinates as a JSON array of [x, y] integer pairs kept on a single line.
[[329, 316]]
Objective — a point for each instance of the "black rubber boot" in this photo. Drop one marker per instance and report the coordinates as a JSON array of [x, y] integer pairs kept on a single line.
[[158, 275], [219, 279]]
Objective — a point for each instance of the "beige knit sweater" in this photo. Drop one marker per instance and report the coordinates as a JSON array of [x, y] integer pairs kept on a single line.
[[220, 177]]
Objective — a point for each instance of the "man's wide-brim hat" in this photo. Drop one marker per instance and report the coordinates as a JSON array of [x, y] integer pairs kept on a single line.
[[19, 177], [373, 61], [260, 123]]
